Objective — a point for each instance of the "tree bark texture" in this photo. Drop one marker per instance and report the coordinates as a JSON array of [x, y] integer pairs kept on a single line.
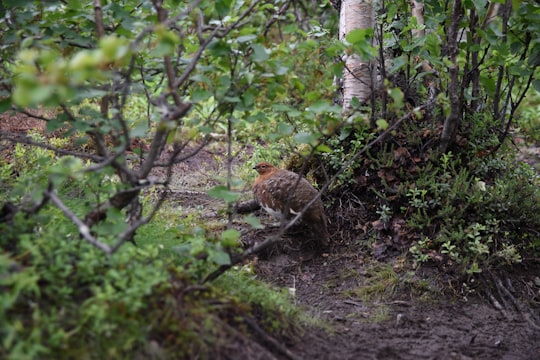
[[357, 75], [452, 120]]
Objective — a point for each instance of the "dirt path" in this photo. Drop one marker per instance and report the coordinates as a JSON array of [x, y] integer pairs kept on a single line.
[[409, 316]]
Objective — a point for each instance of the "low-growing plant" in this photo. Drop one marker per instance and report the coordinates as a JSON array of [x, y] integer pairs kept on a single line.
[[61, 297], [344, 146], [478, 223]]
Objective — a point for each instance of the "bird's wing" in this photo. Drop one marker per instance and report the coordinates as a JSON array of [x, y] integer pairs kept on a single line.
[[286, 182]]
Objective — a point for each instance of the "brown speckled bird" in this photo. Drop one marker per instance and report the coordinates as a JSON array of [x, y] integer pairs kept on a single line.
[[275, 187]]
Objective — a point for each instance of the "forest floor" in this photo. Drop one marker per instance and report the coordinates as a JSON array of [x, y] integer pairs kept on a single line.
[[375, 309], [372, 309]]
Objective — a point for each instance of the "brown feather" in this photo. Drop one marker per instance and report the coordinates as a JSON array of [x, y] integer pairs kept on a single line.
[[276, 189]]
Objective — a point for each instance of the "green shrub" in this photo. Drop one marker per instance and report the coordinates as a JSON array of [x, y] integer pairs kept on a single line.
[[473, 223], [60, 297]]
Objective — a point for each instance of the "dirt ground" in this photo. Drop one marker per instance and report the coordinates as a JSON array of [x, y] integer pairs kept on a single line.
[[421, 315], [411, 326], [418, 315]]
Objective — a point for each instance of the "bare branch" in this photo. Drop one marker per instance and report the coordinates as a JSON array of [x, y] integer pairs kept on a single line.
[[84, 230], [25, 139]]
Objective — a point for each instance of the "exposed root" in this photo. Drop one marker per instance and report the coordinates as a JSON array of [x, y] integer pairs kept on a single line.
[[269, 340], [507, 303], [240, 343]]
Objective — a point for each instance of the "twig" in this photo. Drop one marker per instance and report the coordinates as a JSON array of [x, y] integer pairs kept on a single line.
[[24, 139], [84, 230]]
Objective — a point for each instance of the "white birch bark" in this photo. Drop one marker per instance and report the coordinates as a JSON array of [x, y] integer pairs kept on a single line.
[[357, 74]]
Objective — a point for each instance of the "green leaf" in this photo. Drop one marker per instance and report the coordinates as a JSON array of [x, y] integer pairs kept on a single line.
[[322, 148], [139, 130], [259, 53], [200, 95], [305, 138], [229, 238], [220, 257], [19, 3], [54, 124], [221, 192], [246, 38], [248, 99], [282, 107], [358, 35], [382, 124], [536, 85], [253, 221], [488, 82], [5, 104], [285, 129], [397, 96], [397, 64], [321, 106], [223, 7], [219, 48]]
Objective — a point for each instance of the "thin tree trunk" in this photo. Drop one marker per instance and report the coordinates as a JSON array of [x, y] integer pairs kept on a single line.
[[430, 80], [357, 75], [452, 121]]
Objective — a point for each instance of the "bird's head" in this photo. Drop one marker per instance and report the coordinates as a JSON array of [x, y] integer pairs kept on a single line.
[[264, 168]]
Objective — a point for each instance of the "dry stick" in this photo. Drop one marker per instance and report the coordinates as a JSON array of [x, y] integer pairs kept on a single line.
[[274, 239]]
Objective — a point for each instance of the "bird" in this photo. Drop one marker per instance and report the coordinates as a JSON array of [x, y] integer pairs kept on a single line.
[[283, 194]]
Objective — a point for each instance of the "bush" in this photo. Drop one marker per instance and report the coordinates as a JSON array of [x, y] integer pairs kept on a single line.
[[473, 222], [61, 297]]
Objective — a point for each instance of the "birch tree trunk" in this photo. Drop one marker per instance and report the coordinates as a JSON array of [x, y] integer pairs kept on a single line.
[[357, 74]]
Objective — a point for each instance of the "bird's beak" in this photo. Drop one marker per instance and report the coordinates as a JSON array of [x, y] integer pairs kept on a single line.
[[255, 167]]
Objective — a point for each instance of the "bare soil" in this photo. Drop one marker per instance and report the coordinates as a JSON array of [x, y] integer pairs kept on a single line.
[[405, 323], [418, 315]]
